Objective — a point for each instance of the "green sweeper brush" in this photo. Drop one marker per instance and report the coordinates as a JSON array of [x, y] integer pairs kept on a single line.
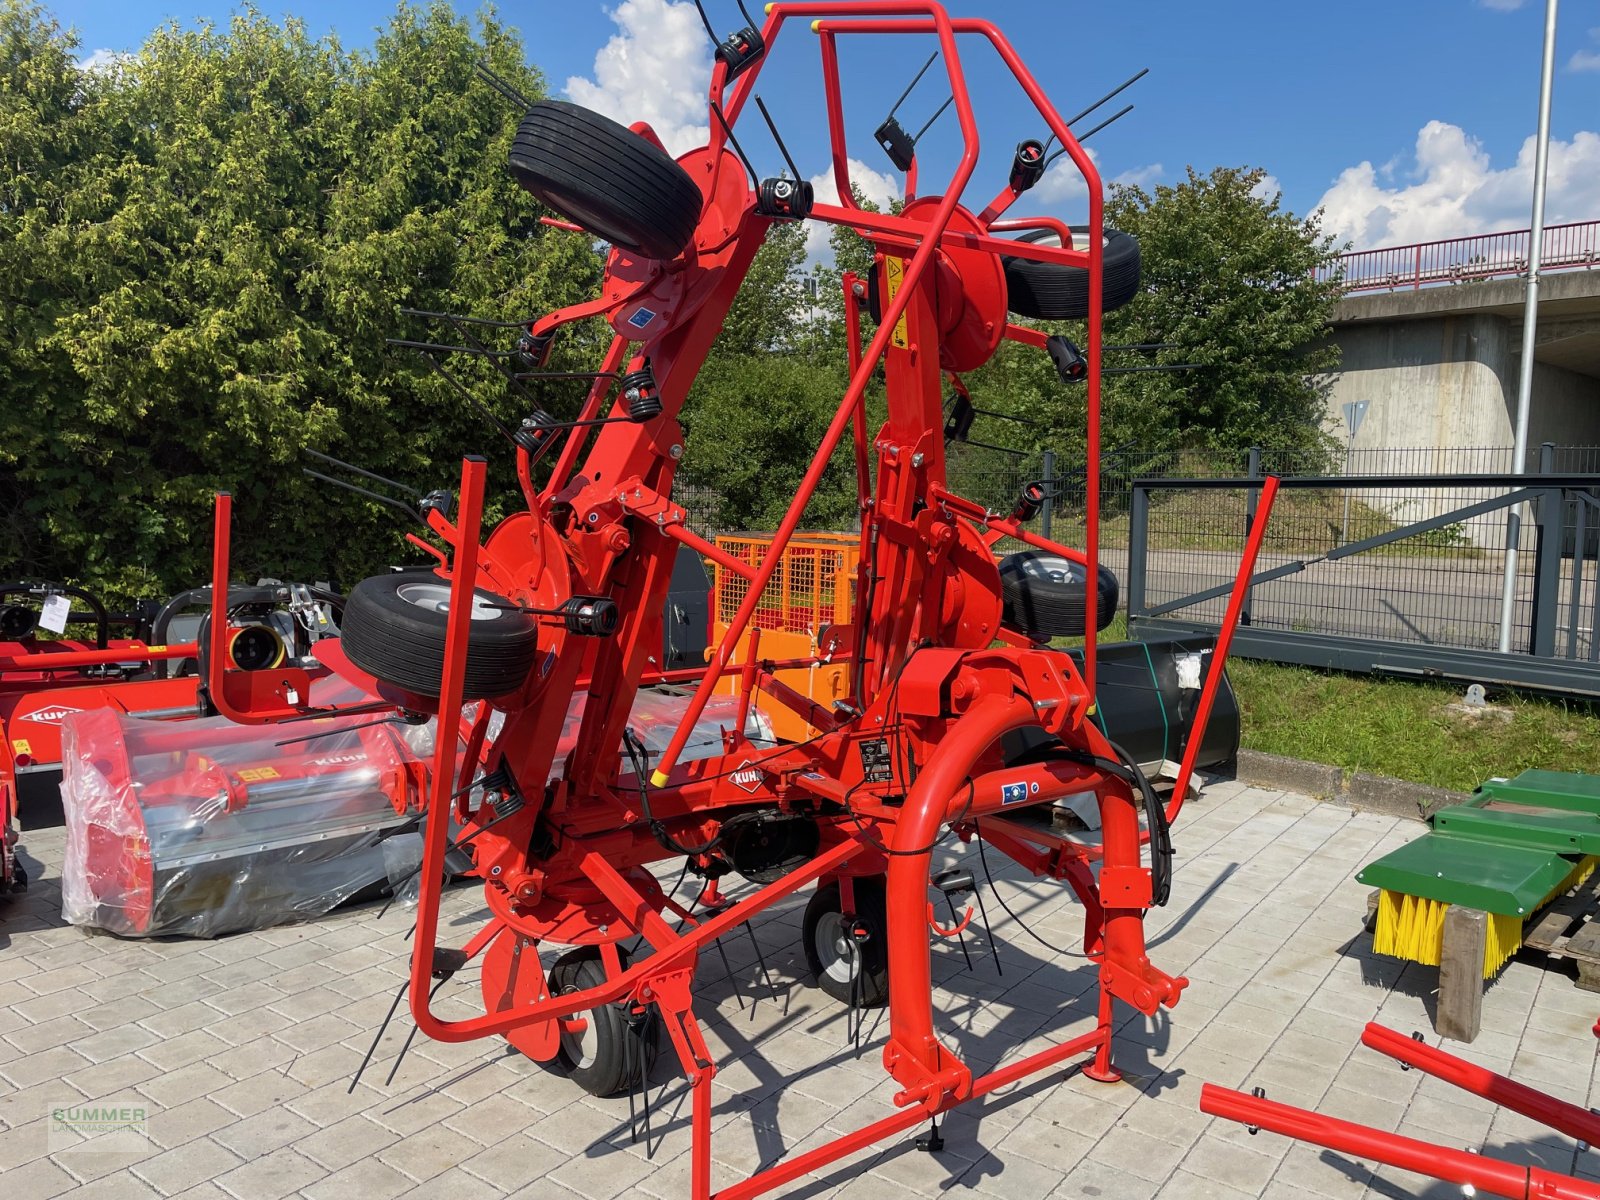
[[1513, 847]]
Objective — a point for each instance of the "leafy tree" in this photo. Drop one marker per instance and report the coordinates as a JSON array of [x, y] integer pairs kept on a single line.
[[204, 256], [1228, 286]]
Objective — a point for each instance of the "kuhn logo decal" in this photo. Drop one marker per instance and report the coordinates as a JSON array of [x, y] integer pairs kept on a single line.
[[748, 777], [50, 716], [334, 760]]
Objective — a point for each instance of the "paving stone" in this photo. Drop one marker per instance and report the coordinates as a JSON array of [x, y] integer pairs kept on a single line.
[[171, 1053], [246, 1045], [346, 1142], [266, 1131], [367, 1179], [426, 1153], [1091, 1180], [186, 1166], [38, 1180], [271, 1176], [454, 1184], [184, 1123]]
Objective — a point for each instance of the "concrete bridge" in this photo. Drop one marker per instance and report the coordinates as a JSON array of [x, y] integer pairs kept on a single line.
[[1431, 337]]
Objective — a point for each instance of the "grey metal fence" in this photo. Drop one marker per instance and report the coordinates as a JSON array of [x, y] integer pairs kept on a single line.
[[1397, 571]]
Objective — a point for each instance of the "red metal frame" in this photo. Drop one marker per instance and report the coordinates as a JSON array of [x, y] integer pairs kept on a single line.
[[1479, 1171], [1459, 260], [928, 686]]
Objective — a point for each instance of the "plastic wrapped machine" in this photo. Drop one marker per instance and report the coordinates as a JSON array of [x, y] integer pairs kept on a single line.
[[204, 827]]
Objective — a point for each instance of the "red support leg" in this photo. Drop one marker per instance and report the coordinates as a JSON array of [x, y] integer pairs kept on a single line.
[[1101, 1069]]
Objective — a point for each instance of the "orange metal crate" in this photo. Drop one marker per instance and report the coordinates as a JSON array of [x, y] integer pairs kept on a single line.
[[811, 590]]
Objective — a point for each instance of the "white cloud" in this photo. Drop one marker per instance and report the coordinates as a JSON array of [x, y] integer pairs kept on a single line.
[[103, 60], [1062, 185], [1267, 188], [874, 185], [1503, 5], [1586, 60], [1456, 191], [656, 68]]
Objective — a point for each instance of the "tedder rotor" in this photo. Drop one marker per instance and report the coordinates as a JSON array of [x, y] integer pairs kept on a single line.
[[558, 611]]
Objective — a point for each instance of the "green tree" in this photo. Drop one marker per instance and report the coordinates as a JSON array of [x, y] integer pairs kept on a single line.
[[1229, 286], [212, 243]]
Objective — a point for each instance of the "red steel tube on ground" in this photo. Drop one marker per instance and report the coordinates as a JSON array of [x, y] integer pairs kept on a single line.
[[1569, 1119], [1437, 1162]]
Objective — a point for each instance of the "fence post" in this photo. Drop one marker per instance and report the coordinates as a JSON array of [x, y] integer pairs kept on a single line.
[[1138, 523], [1253, 471], [1047, 512], [1547, 518]]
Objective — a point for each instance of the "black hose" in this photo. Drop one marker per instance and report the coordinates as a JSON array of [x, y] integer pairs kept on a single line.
[[1156, 819], [641, 764]]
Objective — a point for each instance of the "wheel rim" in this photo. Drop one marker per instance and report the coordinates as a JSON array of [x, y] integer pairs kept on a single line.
[[835, 949], [435, 597], [1051, 238], [580, 1049]]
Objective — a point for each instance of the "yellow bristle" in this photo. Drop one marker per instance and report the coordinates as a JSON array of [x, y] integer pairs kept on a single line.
[[1502, 939], [1412, 928]]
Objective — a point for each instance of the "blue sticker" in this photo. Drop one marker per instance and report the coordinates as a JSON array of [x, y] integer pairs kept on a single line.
[[641, 318], [549, 661], [1013, 793]]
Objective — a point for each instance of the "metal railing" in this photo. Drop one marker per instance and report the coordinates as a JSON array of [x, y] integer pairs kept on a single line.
[[1460, 260], [1384, 573]]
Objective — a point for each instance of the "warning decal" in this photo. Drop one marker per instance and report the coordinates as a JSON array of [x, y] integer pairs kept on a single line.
[[894, 273]]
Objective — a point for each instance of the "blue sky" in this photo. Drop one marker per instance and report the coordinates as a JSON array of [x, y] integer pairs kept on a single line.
[[1406, 121]]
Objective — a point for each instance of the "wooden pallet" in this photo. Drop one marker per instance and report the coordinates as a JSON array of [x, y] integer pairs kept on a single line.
[[1564, 930]]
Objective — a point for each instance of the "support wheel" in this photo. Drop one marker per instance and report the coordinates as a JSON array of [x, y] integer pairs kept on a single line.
[[614, 1054], [1054, 292], [606, 178], [394, 629], [851, 969], [1045, 594]]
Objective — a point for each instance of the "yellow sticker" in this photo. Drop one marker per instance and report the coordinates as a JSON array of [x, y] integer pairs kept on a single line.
[[156, 649], [21, 746], [256, 774], [894, 273]]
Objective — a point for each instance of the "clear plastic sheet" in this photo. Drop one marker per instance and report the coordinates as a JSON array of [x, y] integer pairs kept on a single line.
[[200, 828], [653, 719]]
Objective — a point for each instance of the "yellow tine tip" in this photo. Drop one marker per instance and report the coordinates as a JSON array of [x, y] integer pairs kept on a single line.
[[658, 779], [816, 26]]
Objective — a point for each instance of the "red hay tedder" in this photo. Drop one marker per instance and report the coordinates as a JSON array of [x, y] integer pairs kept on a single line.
[[563, 600]]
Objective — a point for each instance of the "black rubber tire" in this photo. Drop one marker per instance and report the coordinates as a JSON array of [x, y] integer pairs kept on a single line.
[[605, 177], [1043, 594], [871, 989], [621, 1051], [1052, 292], [401, 642]]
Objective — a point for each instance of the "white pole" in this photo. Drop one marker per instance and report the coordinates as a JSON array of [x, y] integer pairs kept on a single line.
[[1530, 323], [1349, 452]]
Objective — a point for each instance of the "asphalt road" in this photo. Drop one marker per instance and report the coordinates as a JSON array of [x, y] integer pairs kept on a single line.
[[1447, 601]]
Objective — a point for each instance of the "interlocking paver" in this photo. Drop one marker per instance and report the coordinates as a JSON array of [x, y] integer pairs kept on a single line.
[[183, 1167], [245, 1047]]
